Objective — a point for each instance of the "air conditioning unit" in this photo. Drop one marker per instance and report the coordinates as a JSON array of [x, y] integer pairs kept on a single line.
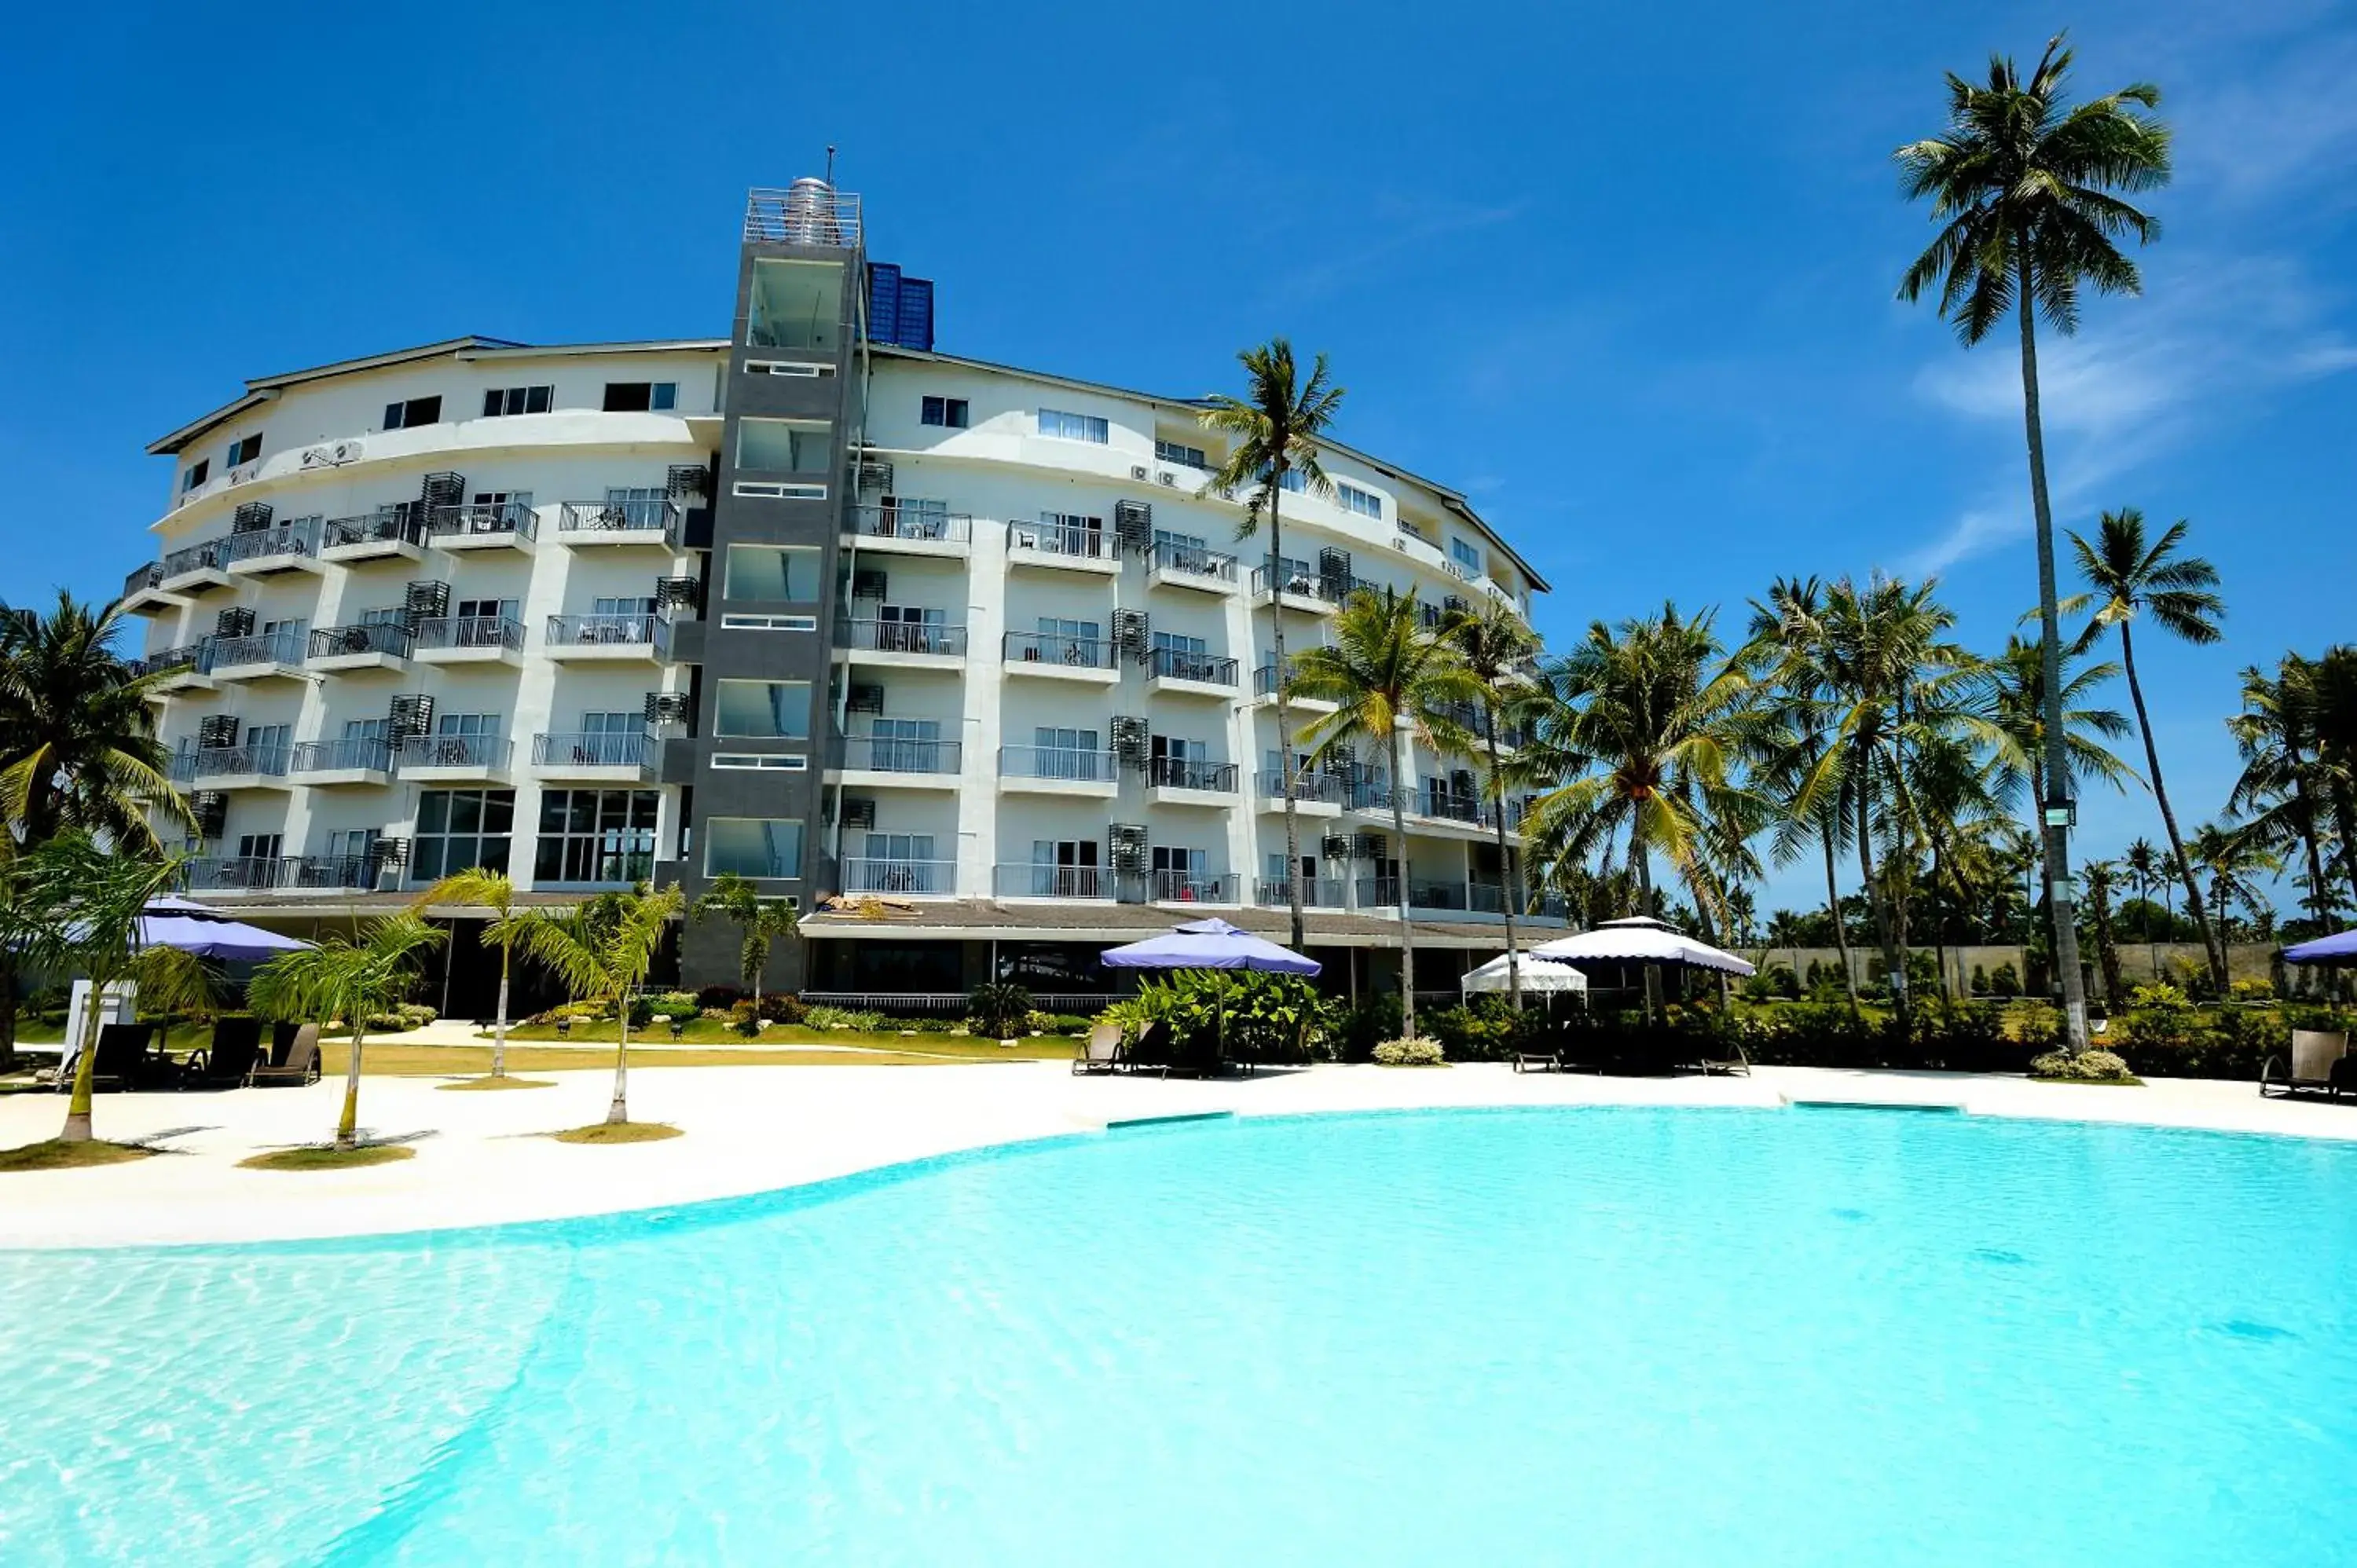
[[1166, 477], [442, 490], [424, 601], [678, 593], [1131, 634], [408, 714], [251, 518], [667, 707], [868, 585], [1334, 566], [1125, 846], [865, 700], [1335, 846], [236, 621], [1370, 846], [875, 474], [216, 732], [858, 812], [392, 853], [685, 481], [331, 455], [210, 809], [1137, 471], [1132, 740]]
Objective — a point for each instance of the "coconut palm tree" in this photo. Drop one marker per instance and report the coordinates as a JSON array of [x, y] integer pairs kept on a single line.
[[762, 923], [2100, 876], [2279, 794], [1272, 435], [2235, 863], [354, 979], [2329, 686], [1388, 676], [2143, 863], [481, 890], [602, 951], [78, 747], [1493, 647], [2128, 577], [2023, 185]]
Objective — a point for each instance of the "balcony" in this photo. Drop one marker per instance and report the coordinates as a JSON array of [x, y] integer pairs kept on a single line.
[[1314, 794], [1303, 587], [231, 767], [142, 591], [482, 525], [908, 762], [908, 530], [644, 637], [373, 645], [1087, 883], [937, 645], [1056, 771], [261, 552], [263, 656], [1085, 659], [1427, 894], [1185, 781], [1062, 547], [1435, 802], [1182, 674], [360, 759], [1264, 691], [584, 524], [188, 669], [453, 758], [604, 756], [1317, 893], [389, 533], [194, 571], [468, 639], [279, 874], [1377, 893], [1187, 566], [1194, 888], [901, 878]]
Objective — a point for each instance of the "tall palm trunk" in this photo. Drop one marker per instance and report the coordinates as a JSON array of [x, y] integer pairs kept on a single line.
[[1507, 871], [2210, 943], [1644, 866], [500, 1029], [619, 1111], [2317, 888], [347, 1124], [1894, 962], [1939, 929], [1833, 908], [1284, 714], [7, 1011], [77, 1128], [1407, 927], [2056, 751]]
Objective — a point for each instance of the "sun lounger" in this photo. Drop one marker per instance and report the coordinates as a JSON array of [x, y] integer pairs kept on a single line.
[[1101, 1052], [235, 1052], [298, 1066], [1530, 1058], [2319, 1059], [122, 1061], [1732, 1065]]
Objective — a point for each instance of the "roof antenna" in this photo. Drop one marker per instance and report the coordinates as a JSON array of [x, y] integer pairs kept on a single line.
[[830, 164]]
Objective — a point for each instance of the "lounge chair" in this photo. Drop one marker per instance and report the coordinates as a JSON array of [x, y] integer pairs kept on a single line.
[[1101, 1052], [1732, 1065], [235, 1051], [2319, 1060], [122, 1061], [299, 1066], [1530, 1058]]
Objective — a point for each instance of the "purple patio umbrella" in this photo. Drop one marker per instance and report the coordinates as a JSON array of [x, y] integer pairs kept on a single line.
[[2339, 948], [1208, 944], [209, 933]]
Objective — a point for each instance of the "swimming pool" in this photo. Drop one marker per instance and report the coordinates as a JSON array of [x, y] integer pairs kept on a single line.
[[1584, 1336]]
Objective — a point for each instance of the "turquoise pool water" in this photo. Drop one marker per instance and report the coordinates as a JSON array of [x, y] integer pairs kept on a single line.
[[1608, 1336]]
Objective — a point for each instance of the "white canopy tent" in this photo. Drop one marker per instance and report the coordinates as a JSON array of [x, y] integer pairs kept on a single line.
[[1540, 976], [1640, 940]]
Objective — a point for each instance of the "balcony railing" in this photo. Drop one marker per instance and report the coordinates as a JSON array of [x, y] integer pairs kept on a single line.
[[1378, 892], [1194, 888], [604, 748], [1302, 584], [477, 520], [896, 754], [591, 518], [482, 751], [142, 578], [469, 631], [293, 539], [1193, 561], [393, 637], [807, 213], [282, 646], [399, 524], [1033, 880], [1180, 665], [194, 658], [1444, 805], [1048, 648], [1067, 539], [242, 874], [894, 875], [1370, 795], [1424, 894], [1486, 898], [899, 636], [1190, 773], [909, 522], [1320, 893], [1058, 762], [229, 761], [368, 753], [611, 630], [1314, 788]]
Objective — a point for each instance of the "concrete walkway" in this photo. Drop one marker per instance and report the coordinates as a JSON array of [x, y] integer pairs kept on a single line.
[[755, 1129]]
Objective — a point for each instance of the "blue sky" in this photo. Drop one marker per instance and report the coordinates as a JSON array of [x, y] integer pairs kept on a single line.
[[1623, 273]]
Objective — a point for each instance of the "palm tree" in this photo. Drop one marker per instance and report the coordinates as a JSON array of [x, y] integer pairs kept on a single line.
[[2099, 876], [2235, 863], [2143, 862], [602, 951], [2128, 577], [78, 747], [1387, 676], [2330, 691], [354, 980], [2023, 185], [762, 921], [1272, 435], [1788, 744], [2278, 792], [481, 890], [1493, 647]]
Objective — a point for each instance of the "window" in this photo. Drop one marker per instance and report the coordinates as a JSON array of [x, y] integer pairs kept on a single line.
[[195, 475], [259, 846], [1366, 503], [794, 305], [905, 746], [1060, 753], [763, 759], [1074, 426], [1184, 456], [1065, 868], [623, 605], [762, 710], [262, 740], [614, 723], [769, 847], [243, 452], [638, 397], [1293, 481], [461, 830], [501, 401], [595, 836], [900, 846], [483, 726], [485, 609], [1466, 554], [950, 412], [352, 844], [409, 415], [786, 572], [784, 445]]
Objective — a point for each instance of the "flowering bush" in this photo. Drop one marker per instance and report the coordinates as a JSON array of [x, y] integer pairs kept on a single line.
[[1417, 1050], [2087, 1067]]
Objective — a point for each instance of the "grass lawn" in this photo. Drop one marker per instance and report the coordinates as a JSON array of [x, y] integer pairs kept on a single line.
[[313, 1157], [712, 1031], [488, 1085], [53, 1156], [392, 1060], [618, 1132]]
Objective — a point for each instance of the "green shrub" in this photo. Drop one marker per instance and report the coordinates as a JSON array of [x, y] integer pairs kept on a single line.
[[1417, 1050], [2087, 1067], [999, 1010], [825, 1017], [1485, 1030], [673, 1004], [2005, 981], [408, 1016], [1980, 982], [783, 1007], [2253, 991], [745, 1017]]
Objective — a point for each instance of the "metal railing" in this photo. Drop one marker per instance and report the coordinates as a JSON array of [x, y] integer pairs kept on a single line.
[[194, 658], [255, 544], [1370, 795], [485, 751], [899, 636], [368, 753], [1023, 879], [807, 213], [192, 558], [1190, 773], [1048, 648], [1318, 893], [1180, 665], [896, 754], [1425, 894], [477, 520], [469, 631], [1305, 585], [1317, 788], [908, 522], [592, 518], [1264, 680], [229, 761], [284, 645], [633, 629], [1192, 887], [1067, 539], [393, 637], [401, 524], [239, 874], [1193, 561], [1486, 898], [1058, 762], [1378, 892], [601, 748], [922, 877], [950, 1004], [143, 578], [1442, 804]]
